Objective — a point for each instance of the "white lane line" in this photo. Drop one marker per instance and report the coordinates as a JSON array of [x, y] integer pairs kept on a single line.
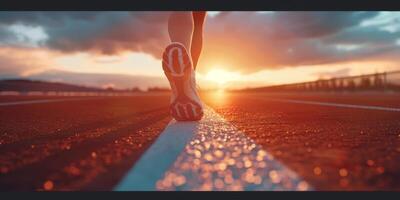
[[41, 101], [159, 157], [208, 155], [68, 99], [331, 104]]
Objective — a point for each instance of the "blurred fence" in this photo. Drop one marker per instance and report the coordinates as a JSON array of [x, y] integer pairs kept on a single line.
[[387, 81]]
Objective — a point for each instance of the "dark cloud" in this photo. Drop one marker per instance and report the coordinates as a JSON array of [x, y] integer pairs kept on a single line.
[[5, 35], [316, 24], [103, 32], [364, 35]]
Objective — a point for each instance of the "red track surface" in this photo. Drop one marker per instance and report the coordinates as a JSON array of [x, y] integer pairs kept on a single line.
[[90, 144], [332, 148], [69, 144]]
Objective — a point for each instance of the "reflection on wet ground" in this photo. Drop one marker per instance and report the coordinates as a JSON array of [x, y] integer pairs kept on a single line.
[[219, 157]]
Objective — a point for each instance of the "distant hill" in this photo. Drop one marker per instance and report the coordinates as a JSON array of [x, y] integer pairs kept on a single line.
[[23, 85], [56, 80], [117, 81]]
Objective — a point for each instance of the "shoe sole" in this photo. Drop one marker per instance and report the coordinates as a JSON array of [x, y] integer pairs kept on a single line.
[[177, 67]]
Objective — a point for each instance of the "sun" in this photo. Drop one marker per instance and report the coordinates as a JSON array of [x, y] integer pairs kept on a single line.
[[222, 77]]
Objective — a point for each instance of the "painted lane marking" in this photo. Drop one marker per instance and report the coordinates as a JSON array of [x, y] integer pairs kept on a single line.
[[68, 99], [159, 157], [331, 104], [41, 101], [208, 155]]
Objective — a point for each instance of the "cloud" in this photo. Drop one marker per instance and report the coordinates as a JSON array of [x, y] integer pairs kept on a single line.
[[240, 41], [364, 35], [15, 62], [336, 73], [19, 35], [249, 42], [100, 32]]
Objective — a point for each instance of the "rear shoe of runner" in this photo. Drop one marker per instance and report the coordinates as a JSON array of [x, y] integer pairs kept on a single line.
[[185, 102]]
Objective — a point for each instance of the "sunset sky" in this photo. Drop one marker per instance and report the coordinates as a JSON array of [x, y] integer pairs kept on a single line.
[[241, 49]]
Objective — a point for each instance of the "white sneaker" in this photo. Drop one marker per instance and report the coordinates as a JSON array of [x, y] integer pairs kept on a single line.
[[185, 101]]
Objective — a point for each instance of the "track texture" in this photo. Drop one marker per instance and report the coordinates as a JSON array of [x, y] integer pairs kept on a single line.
[[76, 145], [331, 148], [91, 144]]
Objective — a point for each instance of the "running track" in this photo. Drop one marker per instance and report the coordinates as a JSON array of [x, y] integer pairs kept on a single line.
[[247, 141]]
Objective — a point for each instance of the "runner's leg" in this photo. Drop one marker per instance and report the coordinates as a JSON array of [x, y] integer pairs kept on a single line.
[[197, 40], [180, 27]]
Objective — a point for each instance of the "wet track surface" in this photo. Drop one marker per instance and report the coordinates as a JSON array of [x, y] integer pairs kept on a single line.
[[90, 144]]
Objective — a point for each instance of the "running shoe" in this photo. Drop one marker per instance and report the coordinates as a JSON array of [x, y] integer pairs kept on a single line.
[[185, 101]]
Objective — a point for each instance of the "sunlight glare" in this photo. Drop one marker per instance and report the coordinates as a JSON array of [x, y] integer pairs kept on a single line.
[[221, 76]]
